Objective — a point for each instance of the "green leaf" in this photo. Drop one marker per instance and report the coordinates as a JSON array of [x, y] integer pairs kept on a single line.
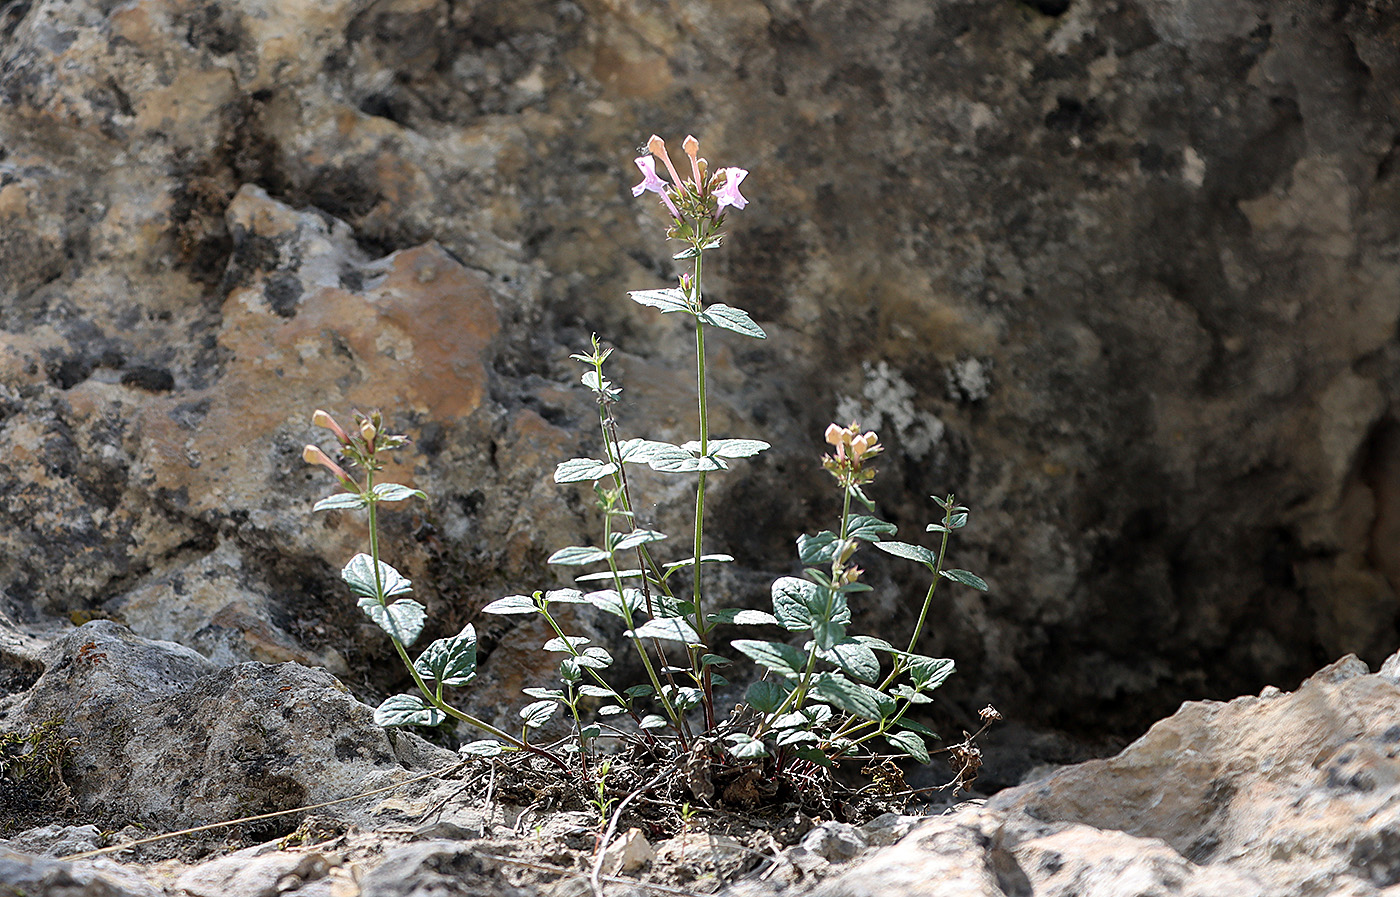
[[577, 556], [565, 596], [966, 578], [912, 552], [538, 713], [544, 694], [852, 697], [813, 755], [583, 470], [907, 693], [595, 658], [672, 629], [359, 575], [829, 633], [340, 501], [869, 529], [876, 644], [590, 731], [639, 691], [766, 696], [704, 559], [407, 710], [653, 721], [689, 252], [929, 672], [396, 492], [908, 743], [570, 671], [854, 658], [483, 748], [918, 727], [512, 604], [667, 301], [741, 617], [707, 660], [403, 619], [624, 541], [745, 747], [608, 575], [797, 736], [675, 459], [776, 656], [559, 645], [726, 317], [640, 451], [611, 710], [818, 549], [451, 661], [959, 519], [792, 598], [610, 601], [594, 691], [683, 698], [730, 448]]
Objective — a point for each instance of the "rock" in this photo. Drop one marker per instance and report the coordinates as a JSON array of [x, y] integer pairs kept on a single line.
[[628, 853], [34, 876], [254, 872], [1258, 796], [835, 842], [1121, 273], [435, 867], [57, 840], [165, 737]]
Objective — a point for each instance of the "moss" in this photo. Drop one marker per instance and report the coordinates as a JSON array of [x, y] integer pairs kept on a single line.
[[32, 787]]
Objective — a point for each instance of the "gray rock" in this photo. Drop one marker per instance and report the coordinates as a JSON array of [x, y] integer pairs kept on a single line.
[[254, 872], [31, 876], [835, 842], [165, 737], [434, 868]]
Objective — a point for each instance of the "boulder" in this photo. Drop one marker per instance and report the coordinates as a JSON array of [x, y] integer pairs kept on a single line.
[[165, 738]]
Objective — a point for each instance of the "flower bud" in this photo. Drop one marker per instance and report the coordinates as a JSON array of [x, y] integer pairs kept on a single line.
[[368, 433], [657, 147], [833, 434], [692, 149], [324, 420], [312, 454]]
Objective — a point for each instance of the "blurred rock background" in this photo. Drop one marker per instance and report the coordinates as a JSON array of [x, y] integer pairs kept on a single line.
[[1124, 274]]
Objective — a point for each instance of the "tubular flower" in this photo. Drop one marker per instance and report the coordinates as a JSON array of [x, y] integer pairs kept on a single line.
[[657, 147], [313, 455], [653, 182], [322, 419], [728, 193]]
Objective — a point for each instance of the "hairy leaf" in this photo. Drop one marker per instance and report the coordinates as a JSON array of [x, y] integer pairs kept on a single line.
[[583, 470], [766, 696], [512, 604], [854, 658], [610, 601], [966, 578], [396, 492], [653, 721], [745, 747], [912, 552], [538, 713], [869, 529], [359, 575], [741, 617], [565, 596], [340, 501], [407, 710], [818, 549], [483, 748], [852, 697], [792, 598], [776, 656], [672, 629], [726, 317], [595, 658], [451, 661], [577, 556], [562, 644], [667, 301], [730, 448], [624, 541], [929, 672], [907, 742], [403, 619]]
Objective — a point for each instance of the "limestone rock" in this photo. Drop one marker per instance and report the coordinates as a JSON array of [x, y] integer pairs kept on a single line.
[[435, 867], [1123, 274], [165, 737]]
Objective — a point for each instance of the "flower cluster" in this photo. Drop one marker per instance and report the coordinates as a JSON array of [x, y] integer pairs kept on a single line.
[[703, 196], [361, 448], [853, 449]]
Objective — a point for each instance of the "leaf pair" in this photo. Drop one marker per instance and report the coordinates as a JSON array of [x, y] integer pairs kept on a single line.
[[725, 317]]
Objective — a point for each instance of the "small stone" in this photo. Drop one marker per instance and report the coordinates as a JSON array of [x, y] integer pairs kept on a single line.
[[629, 853]]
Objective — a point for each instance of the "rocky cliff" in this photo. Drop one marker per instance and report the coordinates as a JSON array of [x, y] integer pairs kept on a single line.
[[1123, 274]]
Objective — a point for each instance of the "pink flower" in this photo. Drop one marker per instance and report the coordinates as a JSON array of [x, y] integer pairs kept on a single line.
[[654, 183], [728, 194]]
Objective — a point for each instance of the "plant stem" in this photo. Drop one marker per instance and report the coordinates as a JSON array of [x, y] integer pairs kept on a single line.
[[434, 698]]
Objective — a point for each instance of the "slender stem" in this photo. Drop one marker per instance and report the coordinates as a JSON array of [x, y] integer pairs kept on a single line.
[[697, 597]]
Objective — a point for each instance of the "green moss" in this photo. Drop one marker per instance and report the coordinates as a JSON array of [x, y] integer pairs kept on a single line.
[[32, 788]]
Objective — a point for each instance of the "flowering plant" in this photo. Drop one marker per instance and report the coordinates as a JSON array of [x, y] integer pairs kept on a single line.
[[825, 694]]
